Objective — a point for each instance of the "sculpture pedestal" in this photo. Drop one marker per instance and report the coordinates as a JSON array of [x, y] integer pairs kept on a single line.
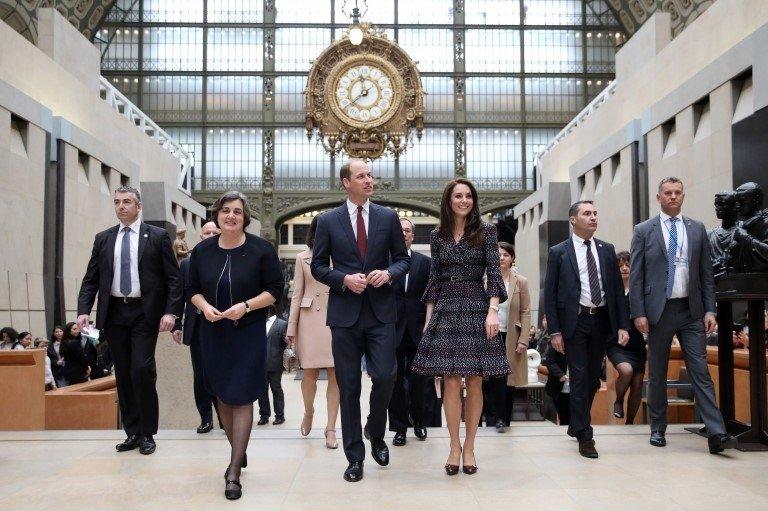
[[752, 288]]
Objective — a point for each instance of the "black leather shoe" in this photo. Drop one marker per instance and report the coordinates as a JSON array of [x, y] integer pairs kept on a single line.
[[262, 421], [720, 442], [354, 472], [148, 445], [380, 452], [500, 427], [657, 439], [399, 439], [420, 431], [205, 427], [587, 449], [128, 444], [278, 421]]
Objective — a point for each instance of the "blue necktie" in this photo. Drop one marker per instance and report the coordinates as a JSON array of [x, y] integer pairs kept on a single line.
[[671, 254], [125, 263]]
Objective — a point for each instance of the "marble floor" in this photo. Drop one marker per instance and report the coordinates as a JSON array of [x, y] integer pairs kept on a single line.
[[532, 466]]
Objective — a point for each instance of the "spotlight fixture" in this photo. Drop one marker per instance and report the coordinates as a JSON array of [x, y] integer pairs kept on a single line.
[[355, 30]]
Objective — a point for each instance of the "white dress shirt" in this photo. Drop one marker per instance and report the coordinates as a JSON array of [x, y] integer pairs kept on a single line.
[[680, 287], [405, 285], [352, 208], [581, 259], [270, 322], [504, 307], [134, 240]]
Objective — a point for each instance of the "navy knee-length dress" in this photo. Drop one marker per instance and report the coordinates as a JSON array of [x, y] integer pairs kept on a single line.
[[234, 353]]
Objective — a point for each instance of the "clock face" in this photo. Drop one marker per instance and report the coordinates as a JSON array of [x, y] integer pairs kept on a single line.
[[365, 94]]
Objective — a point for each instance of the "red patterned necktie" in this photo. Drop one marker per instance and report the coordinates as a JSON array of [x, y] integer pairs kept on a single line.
[[362, 239]]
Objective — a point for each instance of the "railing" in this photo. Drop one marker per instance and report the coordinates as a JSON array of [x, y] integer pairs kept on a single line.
[[124, 107], [324, 183], [580, 117]]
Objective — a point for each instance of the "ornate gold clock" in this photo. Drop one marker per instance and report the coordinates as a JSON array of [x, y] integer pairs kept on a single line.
[[364, 99]]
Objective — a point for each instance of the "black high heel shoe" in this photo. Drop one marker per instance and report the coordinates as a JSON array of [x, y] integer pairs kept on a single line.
[[233, 493], [618, 409]]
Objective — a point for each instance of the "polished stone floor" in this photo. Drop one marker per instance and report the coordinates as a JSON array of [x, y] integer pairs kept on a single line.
[[533, 466]]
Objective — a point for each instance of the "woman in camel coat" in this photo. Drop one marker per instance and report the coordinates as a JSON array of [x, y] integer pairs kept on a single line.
[[311, 338], [515, 326]]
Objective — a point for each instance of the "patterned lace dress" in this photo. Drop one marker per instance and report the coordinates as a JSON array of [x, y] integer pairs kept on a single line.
[[455, 342]]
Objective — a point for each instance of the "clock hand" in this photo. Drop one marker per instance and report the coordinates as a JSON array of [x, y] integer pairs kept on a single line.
[[363, 93]]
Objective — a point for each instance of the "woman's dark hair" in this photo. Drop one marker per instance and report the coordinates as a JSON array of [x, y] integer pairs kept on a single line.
[[508, 248], [229, 197], [53, 333], [310, 241], [22, 335], [12, 334], [622, 257], [68, 331], [473, 227]]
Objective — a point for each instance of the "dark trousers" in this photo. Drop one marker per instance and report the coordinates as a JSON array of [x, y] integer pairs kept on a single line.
[[497, 397], [584, 353], [676, 320], [433, 405], [132, 341], [409, 393], [376, 341], [563, 407], [274, 379], [203, 400]]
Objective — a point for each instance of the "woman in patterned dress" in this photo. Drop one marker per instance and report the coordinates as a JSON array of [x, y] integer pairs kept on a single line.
[[461, 334]]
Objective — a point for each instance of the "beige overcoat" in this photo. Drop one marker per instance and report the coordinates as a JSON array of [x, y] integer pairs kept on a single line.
[[518, 328], [309, 308]]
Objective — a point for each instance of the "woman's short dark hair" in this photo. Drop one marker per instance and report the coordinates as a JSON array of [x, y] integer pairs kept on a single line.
[[229, 197], [623, 257], [310, 241], [22, 335], [10, 332], [508, 248]]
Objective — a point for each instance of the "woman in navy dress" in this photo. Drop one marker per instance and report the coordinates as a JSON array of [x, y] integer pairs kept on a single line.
[[461, 334], [233, 278]]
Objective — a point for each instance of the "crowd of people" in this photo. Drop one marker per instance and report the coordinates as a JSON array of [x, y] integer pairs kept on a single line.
[[450, 330], [71, 356]]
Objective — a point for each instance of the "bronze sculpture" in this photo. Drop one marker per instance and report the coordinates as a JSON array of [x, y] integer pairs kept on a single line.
[[721, 238], [751, 233]]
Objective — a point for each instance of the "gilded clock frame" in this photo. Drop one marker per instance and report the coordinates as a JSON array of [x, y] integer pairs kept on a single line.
[[340, 69]]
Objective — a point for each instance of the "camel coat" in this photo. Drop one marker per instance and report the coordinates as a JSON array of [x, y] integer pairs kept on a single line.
[[518, 328], [306, 322]]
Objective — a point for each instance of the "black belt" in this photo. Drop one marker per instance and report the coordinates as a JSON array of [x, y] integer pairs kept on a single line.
[[125, 299], [591, 311], [460, 278]]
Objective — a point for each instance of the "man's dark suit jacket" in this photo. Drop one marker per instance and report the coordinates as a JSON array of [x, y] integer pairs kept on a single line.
[[188, 315], [159, 277], [411, 311], [276, 345], [562, 288], [335, 240]]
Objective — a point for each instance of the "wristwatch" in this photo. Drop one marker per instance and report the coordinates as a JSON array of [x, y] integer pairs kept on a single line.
[[247, 309], [494, 307]]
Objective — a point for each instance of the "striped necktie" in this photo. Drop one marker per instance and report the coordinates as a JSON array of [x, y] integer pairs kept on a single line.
[[671, 254], [594, 281]]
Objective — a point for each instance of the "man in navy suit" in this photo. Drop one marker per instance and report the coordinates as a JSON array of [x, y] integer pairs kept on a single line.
[[365, 243], [186, 331], [584, 303], [411, 314]]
